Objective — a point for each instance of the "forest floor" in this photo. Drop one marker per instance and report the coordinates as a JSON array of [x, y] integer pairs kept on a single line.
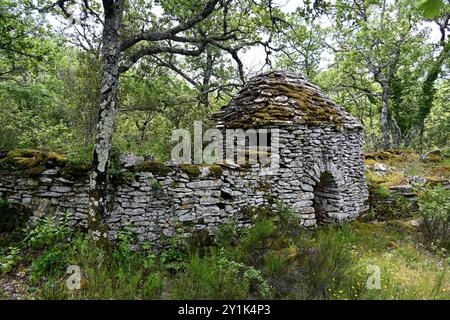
[[273, 260], [409, 270]]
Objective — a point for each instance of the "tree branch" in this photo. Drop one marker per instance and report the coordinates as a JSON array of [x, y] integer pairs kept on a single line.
[[147, 51], [168, 34]]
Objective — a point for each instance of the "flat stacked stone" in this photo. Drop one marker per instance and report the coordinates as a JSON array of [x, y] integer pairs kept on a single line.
[[281, 99]]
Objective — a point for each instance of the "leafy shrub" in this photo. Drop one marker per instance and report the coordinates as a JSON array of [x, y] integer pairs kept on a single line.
[[51, 262], [434, 208], [47, 232], [9, 260], [227, 235], [383, 192], [255, 241], [171, 259]]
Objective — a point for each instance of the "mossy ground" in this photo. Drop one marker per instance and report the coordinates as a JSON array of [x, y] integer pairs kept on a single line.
[[405, 163]]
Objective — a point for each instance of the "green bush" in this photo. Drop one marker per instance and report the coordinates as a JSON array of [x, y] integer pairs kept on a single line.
[[47, 232], [9, 260], [255, 241], [51, 262], [227, 235], [434, 208]]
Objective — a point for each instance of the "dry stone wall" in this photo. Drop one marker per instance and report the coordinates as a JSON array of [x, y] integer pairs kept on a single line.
[[320, 176]]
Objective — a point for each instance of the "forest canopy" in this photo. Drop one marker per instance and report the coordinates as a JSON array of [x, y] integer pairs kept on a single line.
[[385, 61]]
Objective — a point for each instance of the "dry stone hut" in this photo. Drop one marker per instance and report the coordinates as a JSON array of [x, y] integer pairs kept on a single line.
[[321, 175]]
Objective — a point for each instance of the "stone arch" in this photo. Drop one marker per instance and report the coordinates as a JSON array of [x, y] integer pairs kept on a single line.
[[327, 200]]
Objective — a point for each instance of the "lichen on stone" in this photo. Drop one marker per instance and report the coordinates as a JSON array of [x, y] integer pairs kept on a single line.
[[278, 98], [155, 167]]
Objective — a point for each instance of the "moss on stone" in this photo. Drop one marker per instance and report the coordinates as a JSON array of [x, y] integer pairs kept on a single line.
[[79, 170], [309, 107], [244, 167], [441, 171], [34, 172], [215, 171], [58, 158], [433, 180], [380, 155], [370, 162], [201, 240], [264, 186], [25, 163], [21, 160], [271, 198], [154, 167], [254, 212], [191, 170], [387, 180], [433, 158]]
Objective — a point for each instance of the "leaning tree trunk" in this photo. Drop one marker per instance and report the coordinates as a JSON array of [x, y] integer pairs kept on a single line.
[[385, 118], [98, 187]]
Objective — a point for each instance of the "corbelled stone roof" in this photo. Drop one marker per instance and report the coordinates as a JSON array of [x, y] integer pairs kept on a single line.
[[280, 99]]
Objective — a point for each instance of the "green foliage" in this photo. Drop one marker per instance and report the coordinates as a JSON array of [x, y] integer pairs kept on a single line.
[[217, 277], [227, 235], [46, 233], [326, 262], [434, 209], [255, 240], [329, 263], [384, 192], [52, 261], [171, 258], [431, 8], [9, 260], [153, 286]]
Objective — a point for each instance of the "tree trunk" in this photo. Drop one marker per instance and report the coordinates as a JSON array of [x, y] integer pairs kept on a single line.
[[385, 118], [98, 187], [372, 128]]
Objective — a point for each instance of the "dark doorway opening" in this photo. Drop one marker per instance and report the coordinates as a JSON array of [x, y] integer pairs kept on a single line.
[[326, 199]]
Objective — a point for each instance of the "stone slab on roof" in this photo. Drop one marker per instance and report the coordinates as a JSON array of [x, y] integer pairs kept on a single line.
[[281, 99]]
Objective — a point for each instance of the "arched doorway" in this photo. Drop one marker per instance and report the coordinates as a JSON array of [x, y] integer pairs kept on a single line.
[[326, 200]]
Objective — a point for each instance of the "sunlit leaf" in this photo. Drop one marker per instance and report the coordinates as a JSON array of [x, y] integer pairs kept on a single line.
[[431, 8]]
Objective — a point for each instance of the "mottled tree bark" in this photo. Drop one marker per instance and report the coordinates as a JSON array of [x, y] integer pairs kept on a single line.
[[385, 118], [98, 187]]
